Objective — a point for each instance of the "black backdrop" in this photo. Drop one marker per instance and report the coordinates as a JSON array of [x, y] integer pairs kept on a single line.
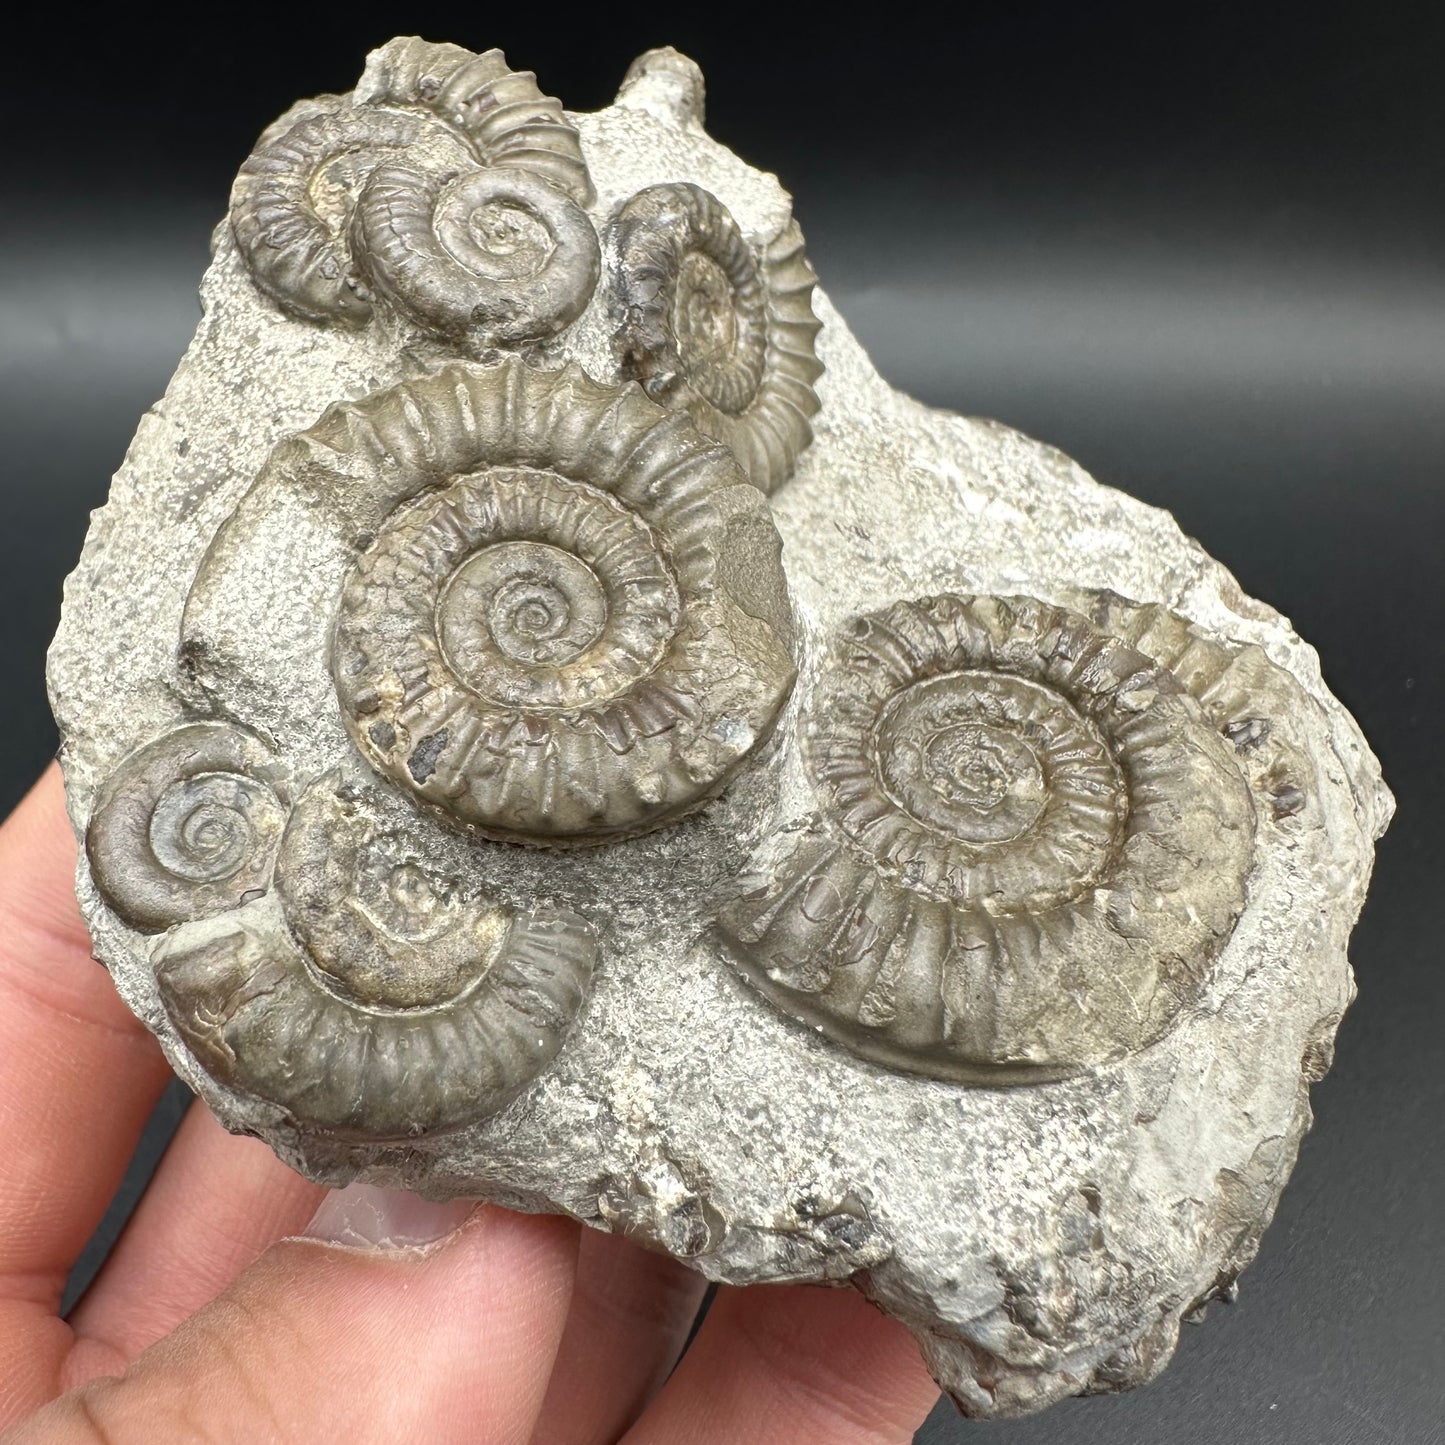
[[1202, 252]]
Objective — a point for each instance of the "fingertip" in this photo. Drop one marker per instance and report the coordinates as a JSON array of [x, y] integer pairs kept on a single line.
[[364, 1216]]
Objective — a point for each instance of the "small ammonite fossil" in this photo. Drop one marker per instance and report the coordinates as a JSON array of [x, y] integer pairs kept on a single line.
[[1032, 845], [497, 255], [187, 827], [293, 198], [371, 998], [709, 325], [451, 186], [561, 615]]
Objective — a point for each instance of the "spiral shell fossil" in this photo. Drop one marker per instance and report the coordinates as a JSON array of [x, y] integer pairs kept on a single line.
[[709, 326], [561, 616], [380, 1000], [452, 187], [497, 253], [1033, 845], [293, 198], [187, 827]]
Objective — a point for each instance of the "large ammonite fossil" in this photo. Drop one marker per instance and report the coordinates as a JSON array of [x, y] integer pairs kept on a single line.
[[565, 618], [1033, 843], [370, 997], [708, 325], [188, 826], [452, 187]]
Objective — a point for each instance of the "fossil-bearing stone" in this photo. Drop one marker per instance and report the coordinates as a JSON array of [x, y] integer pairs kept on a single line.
[[548, 722]]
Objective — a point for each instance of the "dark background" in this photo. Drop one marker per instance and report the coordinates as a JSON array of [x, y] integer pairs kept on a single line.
[[1202, 252]]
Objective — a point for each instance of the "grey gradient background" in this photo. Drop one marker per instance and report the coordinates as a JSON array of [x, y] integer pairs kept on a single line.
[[1204, 253]]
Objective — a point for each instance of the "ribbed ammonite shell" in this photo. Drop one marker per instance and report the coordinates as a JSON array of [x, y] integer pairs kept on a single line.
[[1247, 697], [451, 186], [503, 114], [1033, 844], [708, 325], [375, 999], [496, 254], [565, 618], [187, 827], [293, 198]]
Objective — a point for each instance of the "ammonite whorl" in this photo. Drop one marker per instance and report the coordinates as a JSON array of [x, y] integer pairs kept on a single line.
[[397, 1003], [1032, 846], [507, 119], [292, 203], [187, 827], [566, 620], [496, 254], [1249, 699], [709, 326]]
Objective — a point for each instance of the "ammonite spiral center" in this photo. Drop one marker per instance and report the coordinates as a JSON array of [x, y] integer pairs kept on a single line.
[[999, 792], [498, 238], [200, 830], [528, 589], [533, 603], [949, 752], [704, 311]]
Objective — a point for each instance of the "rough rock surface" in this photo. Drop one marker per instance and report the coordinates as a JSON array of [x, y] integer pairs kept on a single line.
[[1042, 1238]]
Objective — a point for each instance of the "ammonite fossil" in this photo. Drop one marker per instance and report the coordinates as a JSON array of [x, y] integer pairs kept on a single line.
[[375, 999], [709, 325], [497, 253], [565, 618], [187, 827], [1033, 845], [451, 186], [292, 203]]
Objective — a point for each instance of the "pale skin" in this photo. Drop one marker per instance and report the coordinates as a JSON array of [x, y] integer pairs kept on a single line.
[[213, 1321]]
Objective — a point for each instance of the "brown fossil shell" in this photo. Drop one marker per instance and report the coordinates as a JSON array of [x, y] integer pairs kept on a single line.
[[561, 616], [496, 254], [475, 225], [397, 1003], [502, 113], [292, 203], [709, 326], [187, 827], [1033, 844]]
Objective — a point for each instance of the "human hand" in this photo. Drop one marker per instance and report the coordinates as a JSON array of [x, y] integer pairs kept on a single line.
[[388, 1318]]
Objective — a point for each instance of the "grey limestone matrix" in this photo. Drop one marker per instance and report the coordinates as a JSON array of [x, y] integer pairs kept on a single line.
[[547, 722]]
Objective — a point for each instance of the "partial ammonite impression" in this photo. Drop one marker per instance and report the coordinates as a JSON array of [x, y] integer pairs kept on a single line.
[[711, 326], [449, 186], [187, 827], [502, 112], [1032, 845], [375, 998], [561, 615]]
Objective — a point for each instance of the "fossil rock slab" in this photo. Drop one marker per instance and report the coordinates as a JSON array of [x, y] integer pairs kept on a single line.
[[548, 722]]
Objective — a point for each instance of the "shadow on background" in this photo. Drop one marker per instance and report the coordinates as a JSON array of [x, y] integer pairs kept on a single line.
[[1206, 258]]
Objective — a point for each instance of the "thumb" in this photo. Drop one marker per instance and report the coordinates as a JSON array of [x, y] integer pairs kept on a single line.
[[393, 1319]]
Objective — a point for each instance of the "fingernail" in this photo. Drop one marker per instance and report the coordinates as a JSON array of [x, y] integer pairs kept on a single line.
[[361, 1216]]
